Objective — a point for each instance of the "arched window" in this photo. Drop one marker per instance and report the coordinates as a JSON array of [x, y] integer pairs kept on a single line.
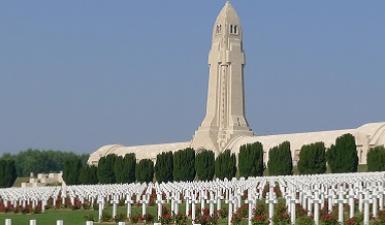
[[235, 29], [231, 29]]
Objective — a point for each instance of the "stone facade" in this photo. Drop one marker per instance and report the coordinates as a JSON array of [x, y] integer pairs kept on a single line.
[[44, 179], [225, 115], [225, 125]]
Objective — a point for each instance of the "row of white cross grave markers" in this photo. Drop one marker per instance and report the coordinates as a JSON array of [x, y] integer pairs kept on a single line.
[[311, 192]]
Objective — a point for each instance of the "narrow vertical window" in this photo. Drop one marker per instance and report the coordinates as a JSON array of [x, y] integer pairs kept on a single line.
[[235, 29], [231, 29], [219, 28]]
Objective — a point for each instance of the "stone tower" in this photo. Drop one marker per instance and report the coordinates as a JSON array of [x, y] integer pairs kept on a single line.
[[225, 114]]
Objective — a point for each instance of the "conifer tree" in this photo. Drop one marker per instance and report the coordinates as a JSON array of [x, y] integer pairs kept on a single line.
[[144, 171], [184, 165], [106, 169], [280, 160], [164, 167], [88, 175], [376, 159], [71, 171], [119, 172], [129, 168], [205, 165], [250, 160], [342, 157], [312, 159], [225, 165], [7, 173]]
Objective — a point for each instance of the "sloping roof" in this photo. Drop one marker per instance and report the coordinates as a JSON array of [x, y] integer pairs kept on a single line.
[[141, 151], [374, 132]]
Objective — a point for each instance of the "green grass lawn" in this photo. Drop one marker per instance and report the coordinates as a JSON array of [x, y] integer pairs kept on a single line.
[[69, 217]]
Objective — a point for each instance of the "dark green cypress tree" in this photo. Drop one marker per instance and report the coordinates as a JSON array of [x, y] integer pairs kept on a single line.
[[129, 168], [250, 160], [3, 181], [376, 159], [205, 165], [280, 160], [119, 170], [312, 159], [7, 173], [184, 165], [164, 167], [225, 165], [106, 169], [88, 175], [144, 171], [71, 171], [342, 157]]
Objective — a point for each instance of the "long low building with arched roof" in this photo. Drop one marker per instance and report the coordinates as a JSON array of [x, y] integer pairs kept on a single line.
[[367, 136]]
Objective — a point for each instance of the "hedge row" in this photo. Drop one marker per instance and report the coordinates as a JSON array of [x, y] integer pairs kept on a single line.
[[187, 165]]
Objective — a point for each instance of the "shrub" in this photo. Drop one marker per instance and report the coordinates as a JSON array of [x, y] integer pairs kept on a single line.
[[89, 217], [243, 211], [329, 219], [184, 165], [166, 219], [205, 165], [250, 160], [164, 167], [213, 220], [147, 218], [225, 165], [380, 220], [206, 220], [223, 213], [260, 220], [305, 220], [106, 217], [260, 208], [342, 157], [37, 210], [352, 221], [181, 219], [376, 159], [312, 159], [280, 214], [26, 210], [236, 219], [120, 217], [135, 219]]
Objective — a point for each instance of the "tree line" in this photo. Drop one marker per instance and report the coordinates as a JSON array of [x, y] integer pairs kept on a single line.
[[41, 161], [34, 161], [189, 165]]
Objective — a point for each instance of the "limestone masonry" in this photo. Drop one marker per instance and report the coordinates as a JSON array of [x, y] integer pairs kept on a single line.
[[225, 125]]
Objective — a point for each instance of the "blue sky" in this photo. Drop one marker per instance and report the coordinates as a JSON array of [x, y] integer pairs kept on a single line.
[[75, 75]]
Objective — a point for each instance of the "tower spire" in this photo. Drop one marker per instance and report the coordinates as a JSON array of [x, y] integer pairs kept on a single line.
[[225, 114]]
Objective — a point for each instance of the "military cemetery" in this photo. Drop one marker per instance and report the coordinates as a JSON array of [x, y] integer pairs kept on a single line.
[[225, 174], [349, 198]]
